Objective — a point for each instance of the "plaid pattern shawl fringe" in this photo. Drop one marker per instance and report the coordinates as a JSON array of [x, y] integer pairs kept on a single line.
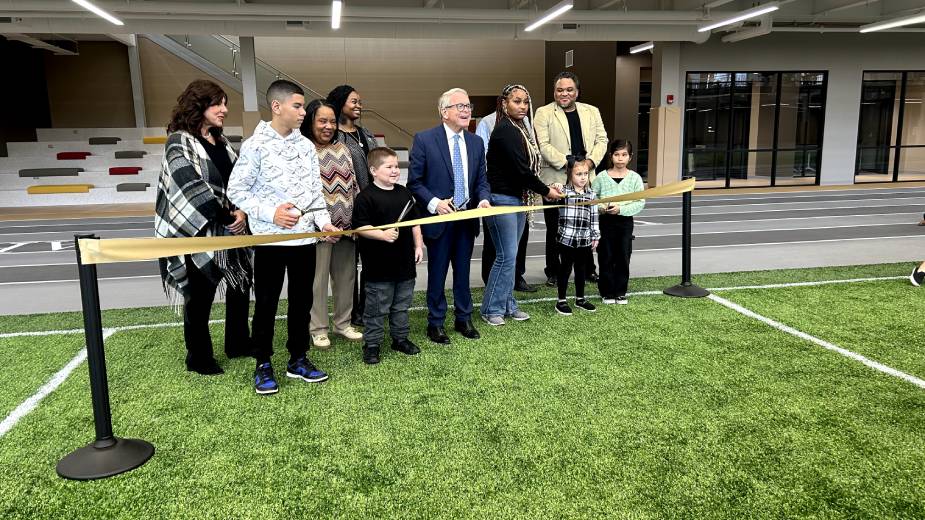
[[191, 201]]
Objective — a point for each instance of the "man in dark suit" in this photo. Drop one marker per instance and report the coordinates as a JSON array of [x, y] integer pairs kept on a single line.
[[447, 173]]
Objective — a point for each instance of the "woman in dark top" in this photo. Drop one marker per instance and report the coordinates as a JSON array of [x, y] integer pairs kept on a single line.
[[513, 163], [348, 108], [191, 202]]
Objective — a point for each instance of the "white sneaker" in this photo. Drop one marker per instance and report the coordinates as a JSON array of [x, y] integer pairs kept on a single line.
[[621, 300], [609, 301], [351, 333], [519, 315], [321, 341]]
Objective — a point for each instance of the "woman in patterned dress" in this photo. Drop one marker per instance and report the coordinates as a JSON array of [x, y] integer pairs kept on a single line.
[[334, 262]]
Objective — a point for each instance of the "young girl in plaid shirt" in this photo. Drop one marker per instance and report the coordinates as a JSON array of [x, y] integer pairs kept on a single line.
[[577, 236]]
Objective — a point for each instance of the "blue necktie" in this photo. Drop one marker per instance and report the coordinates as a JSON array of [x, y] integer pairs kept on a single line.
[[459, 176]]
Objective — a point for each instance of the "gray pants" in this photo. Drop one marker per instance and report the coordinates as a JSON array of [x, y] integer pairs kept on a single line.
[[392, 299]]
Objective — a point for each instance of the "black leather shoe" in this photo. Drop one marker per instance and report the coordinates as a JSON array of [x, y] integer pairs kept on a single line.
[[466, 329], [523, 286], [438, 335], [405, 346], [208, 367]]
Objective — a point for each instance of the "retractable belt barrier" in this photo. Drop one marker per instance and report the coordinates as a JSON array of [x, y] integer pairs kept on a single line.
[[95, 251]]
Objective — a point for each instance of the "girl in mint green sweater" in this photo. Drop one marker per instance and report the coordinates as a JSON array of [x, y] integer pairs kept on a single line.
[[616, 220]]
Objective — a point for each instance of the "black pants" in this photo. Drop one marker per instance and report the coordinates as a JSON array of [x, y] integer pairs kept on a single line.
[[197, 309], [271, 264], [551, 218], [488, 253], [614, 251], [569, 256]]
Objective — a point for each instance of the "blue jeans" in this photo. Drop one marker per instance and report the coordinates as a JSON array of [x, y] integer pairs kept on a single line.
[[505, 233]]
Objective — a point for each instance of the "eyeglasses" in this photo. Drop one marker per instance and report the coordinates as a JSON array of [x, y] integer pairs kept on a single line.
[[462, 106]]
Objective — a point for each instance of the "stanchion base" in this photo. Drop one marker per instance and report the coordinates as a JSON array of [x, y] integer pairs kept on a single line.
[[91, 462], [686, 290]]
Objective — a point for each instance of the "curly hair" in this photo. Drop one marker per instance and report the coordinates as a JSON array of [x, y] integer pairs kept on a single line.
[[189, 112], [337, 97], [310, 112]]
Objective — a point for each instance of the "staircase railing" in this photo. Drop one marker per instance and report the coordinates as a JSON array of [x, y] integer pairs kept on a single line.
[[226, 54]]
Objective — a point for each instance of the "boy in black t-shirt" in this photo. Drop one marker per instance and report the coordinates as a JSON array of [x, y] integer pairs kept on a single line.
[[388, 255]]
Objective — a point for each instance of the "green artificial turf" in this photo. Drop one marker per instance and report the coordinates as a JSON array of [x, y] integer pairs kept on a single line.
[[875, 319], [30, 362], [664, 408]]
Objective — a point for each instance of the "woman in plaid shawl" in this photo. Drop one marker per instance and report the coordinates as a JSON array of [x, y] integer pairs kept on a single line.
[[191, 202]]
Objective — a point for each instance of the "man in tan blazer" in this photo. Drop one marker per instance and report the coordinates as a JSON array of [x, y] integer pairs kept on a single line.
[[566, 128]]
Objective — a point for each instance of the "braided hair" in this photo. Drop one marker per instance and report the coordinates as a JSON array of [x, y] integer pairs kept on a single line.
[[529, 140]]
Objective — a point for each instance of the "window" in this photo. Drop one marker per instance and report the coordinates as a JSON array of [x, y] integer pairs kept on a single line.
[[891, 127], [753, 128]]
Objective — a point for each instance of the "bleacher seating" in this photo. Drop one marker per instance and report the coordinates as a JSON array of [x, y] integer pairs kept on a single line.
[[72, 156], [73, 172], [130, 154], [50, 172], [104, 140], [124, 170], [132, 186], [58, 188]]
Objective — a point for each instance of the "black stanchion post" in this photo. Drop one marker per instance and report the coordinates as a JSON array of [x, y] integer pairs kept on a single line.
[[686, 289], [108, 455]]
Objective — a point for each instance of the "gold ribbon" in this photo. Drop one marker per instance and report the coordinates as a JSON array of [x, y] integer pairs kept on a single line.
[[110, 250]]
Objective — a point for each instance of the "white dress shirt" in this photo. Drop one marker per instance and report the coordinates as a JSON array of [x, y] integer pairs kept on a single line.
[[432, 205]]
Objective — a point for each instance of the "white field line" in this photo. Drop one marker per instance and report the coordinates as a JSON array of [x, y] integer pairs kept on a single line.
[[475, 304], [732, 232], [822, 343], [778, 219], [89, 229], [31, 403], [792, 242], [696, 209], [768, 197], [56, 380]]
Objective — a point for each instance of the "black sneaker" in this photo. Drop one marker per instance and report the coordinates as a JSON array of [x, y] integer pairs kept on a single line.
[[264, 381], [303, 369], [551, 281], [917, 277], [585, 304], [370, 355], [563, 308], [405, 346]]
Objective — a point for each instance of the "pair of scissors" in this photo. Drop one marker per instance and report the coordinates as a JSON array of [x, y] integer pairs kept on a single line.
[[464, 204]]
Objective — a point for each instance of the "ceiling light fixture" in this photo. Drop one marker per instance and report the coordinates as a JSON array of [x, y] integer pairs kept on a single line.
[[99, 12], [895, 22], [642, 47], [551, 13], [336, 8], [743, 15]]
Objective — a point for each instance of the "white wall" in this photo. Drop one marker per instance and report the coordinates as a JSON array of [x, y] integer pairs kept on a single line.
[[845, 56]]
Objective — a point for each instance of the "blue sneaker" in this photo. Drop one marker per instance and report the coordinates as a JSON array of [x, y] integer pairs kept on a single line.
[[304, 369], [264, 380]]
